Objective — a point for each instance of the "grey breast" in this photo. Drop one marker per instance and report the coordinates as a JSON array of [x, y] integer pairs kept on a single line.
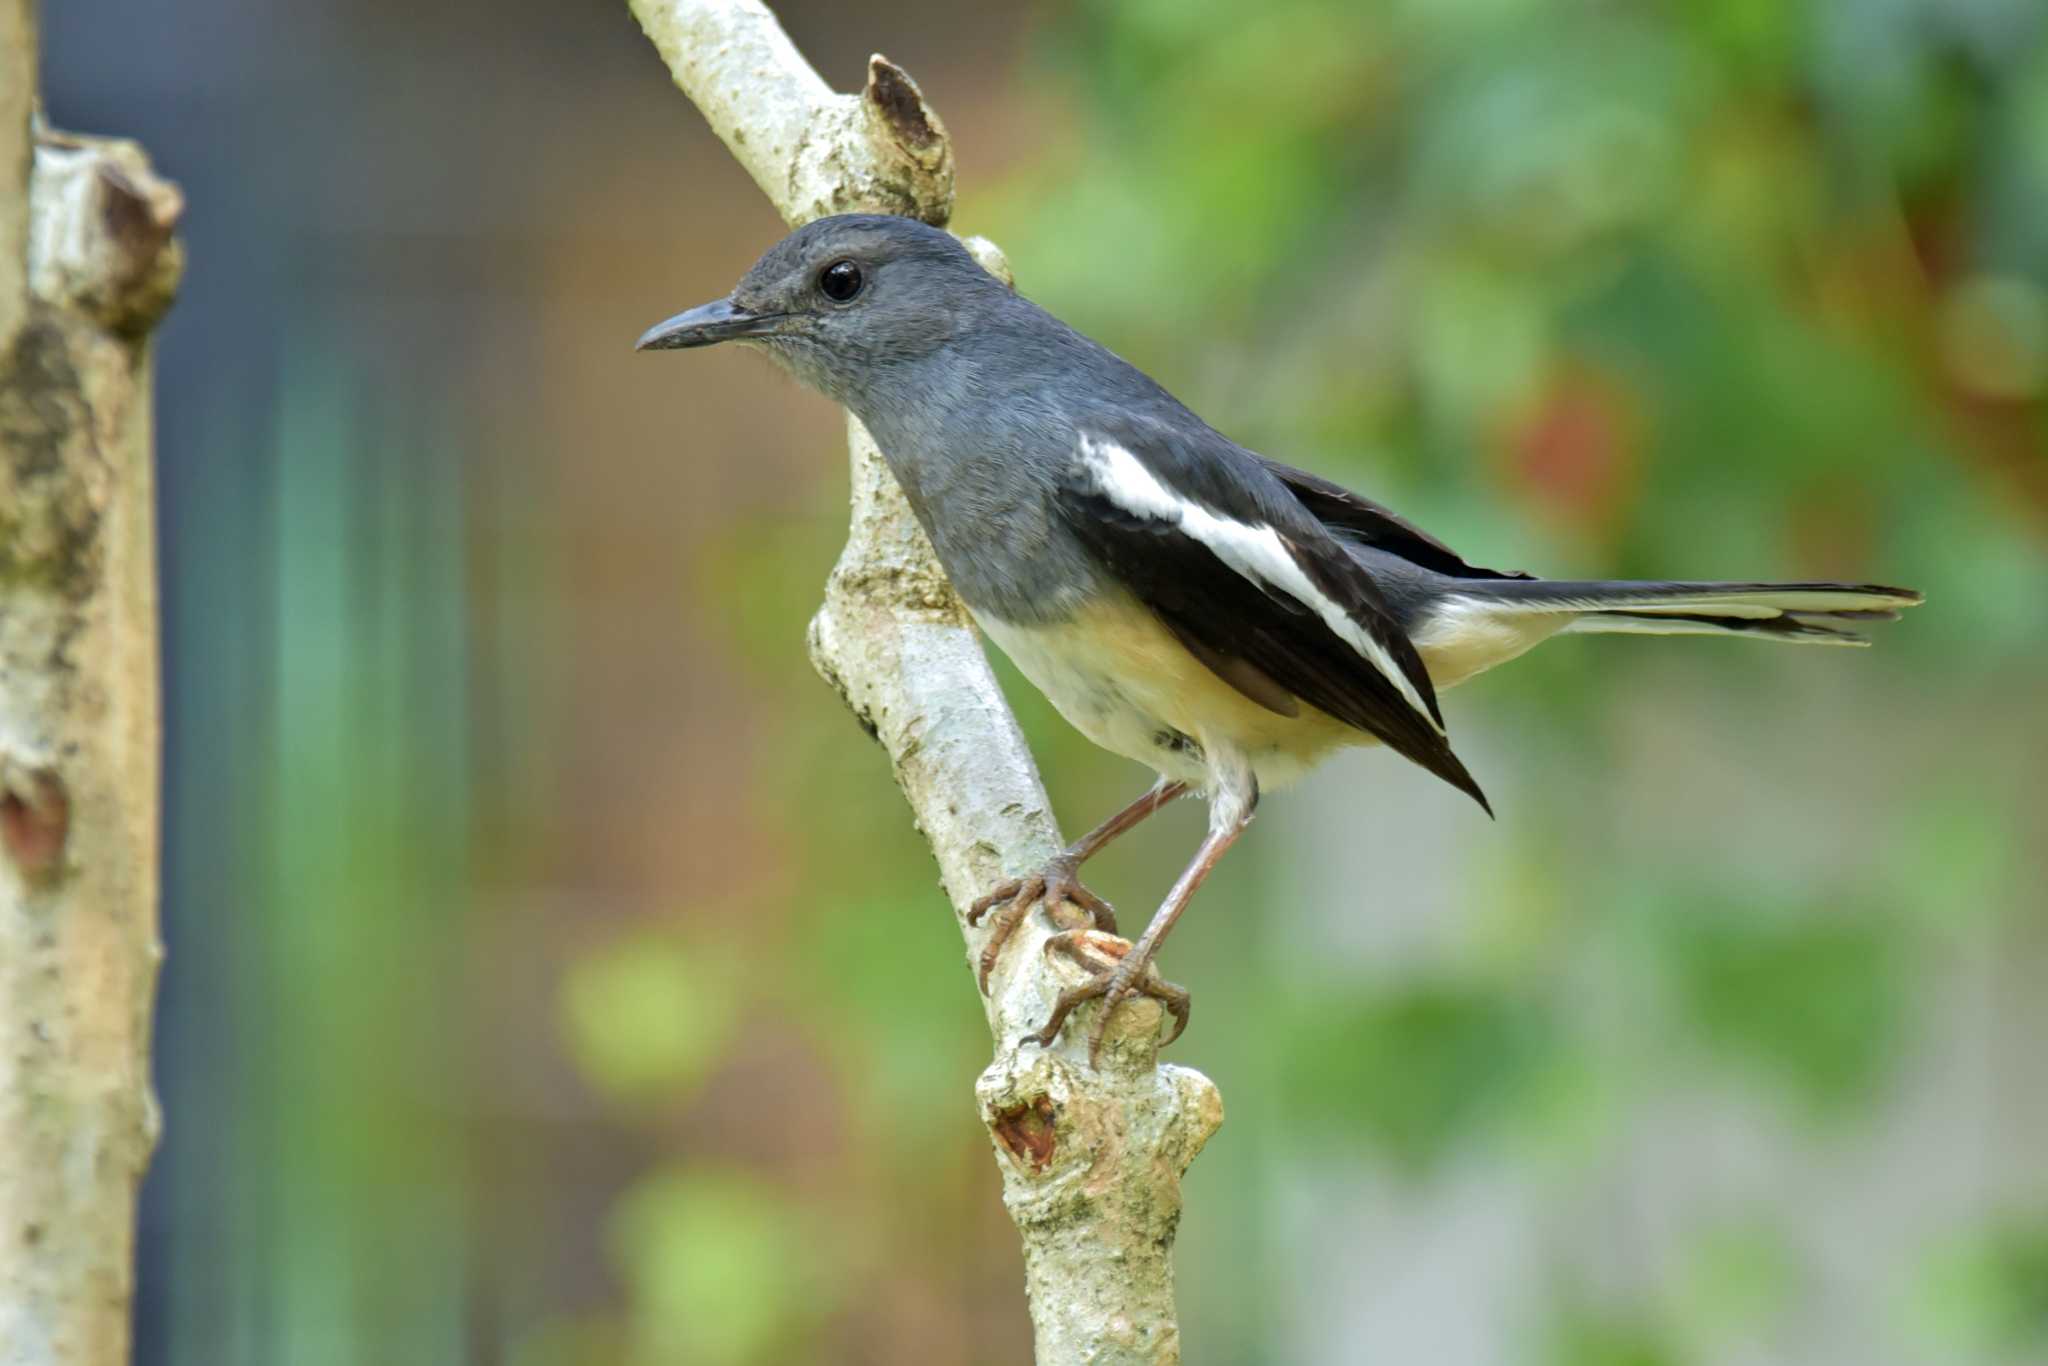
[[979, 435]]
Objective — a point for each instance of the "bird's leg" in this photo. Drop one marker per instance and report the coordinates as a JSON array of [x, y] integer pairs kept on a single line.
[[1069, 943], [1059, 880], [1134, 975]]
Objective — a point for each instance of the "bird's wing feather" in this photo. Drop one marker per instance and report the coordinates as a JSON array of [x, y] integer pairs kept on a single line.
[[1357, 518], [1238, 572]]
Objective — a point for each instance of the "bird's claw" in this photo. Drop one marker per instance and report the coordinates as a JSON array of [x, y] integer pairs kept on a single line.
[[1056, 884], [1113, 984]]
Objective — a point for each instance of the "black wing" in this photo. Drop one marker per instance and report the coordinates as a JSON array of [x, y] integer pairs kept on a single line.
[[1359, 519], [1245, 625]]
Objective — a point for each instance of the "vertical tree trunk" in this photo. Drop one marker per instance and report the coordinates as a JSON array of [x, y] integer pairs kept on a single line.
[[1091, 1159], [87, 264]]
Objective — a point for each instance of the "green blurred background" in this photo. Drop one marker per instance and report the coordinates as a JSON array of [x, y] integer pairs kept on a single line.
[[555, 978]]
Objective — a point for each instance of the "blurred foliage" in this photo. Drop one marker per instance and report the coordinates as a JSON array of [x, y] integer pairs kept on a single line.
[[1411, 1067], [1986, 1294], [645, 1018], [725, 1268], [1734, 1285], [1813, 999], [1739, 1278], [1670, 290], [1727, 1030], [1590, 1339]]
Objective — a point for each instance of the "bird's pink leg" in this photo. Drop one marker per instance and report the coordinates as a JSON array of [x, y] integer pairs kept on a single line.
[[1059, 881], [1134, 975]]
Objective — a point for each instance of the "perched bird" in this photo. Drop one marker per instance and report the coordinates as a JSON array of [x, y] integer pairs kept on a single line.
[[1222, 618]]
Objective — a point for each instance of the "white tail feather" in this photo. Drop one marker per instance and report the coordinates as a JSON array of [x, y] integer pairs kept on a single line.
[[1467, 632], [1758, 604]]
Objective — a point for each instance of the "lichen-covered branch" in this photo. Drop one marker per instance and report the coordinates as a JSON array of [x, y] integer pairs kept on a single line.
[[87, 264], [1091, 1158]]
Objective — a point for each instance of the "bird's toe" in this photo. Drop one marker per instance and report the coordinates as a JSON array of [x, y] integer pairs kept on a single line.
[[1113, 983], [1056, 885]]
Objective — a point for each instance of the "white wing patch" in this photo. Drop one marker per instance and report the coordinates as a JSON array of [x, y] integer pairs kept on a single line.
[[1256, 552]]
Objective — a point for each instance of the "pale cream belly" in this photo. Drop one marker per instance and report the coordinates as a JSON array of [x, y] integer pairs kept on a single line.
[[1121, 678]]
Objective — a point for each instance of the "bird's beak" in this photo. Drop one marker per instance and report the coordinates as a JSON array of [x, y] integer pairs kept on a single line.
[[707, 325]]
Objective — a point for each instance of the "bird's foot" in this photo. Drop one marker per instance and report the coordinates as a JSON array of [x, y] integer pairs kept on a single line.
[[1057, 884], [1113, 983]]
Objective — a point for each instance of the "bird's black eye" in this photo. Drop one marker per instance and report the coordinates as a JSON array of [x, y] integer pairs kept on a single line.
[[840, 281]]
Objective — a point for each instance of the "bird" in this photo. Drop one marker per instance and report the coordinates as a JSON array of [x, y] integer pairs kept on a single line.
[[1220, 617]]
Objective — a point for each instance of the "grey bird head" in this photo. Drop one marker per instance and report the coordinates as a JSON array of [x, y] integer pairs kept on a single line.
[[842, 300]]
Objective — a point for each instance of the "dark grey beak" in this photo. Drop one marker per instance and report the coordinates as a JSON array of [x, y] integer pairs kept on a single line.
[[707, 325]]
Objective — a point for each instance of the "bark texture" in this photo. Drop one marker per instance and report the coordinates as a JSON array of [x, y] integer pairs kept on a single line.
[[1091, 1158], [87, 264]]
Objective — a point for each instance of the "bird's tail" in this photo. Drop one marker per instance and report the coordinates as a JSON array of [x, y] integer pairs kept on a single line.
[[1804, 613]]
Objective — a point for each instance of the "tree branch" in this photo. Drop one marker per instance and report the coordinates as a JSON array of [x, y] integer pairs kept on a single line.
[[87, 265], [17, 105], [1091, 1159]]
